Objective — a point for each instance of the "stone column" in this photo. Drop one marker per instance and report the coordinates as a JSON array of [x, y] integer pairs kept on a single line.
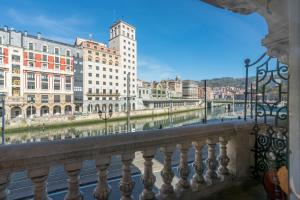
[[211, 176], [73, 170], [198, 180], [126, 183], [102, 189], [294, 95], [39, 177], [148, 178], [183, 183], [4, 180], [223, 171], [167, 190]]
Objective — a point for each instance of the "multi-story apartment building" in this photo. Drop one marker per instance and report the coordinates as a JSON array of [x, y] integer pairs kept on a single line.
[[123, 39], [174, 87], [37, 74], [144, 89], [190, 89], [106, 70]]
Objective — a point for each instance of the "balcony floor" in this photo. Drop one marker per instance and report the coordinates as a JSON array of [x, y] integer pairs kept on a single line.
[[251, 190]]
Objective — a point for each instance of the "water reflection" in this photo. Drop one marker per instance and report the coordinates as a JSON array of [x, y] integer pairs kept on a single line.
[[115, 127]]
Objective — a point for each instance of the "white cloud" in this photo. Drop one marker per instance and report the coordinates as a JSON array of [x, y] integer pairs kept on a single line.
[[150, 69], [62, 28]]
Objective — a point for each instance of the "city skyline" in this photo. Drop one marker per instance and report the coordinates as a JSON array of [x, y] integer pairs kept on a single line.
[[194, 50]]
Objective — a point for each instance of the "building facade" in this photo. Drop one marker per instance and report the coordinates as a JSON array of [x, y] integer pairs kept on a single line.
[[37, 74], [109, 72], [123, 39], [190, 89]]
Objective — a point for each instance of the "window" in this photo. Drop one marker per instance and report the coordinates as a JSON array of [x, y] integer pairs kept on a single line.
[[68, 61], [110, 69], [110, 76], [97, 75], [1, 40], [30, 55], [90, 67], [45, 48], [90, 90], [97, 91], [30, 81], [68, 53], [56, 51], [68, 83], [56, 82], [90, 74], [104, 83], [1, 60], [97, 67], [30, 46], [68, 98], [31, 64], [56, 59], [104, 75], [56, 98], [45, 58], [30, 98], [1, 50], [97, 82], [110, 91], [44, 98], [56, 67], [44, 81], [15, 58], [1, 78], [104, 69], [45, 66], [90, 82], [104, 91]]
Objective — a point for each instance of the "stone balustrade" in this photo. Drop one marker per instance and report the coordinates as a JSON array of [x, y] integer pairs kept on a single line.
[[231, 141]]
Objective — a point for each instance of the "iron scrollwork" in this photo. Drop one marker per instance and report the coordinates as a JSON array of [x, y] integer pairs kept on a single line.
[[270, 104]]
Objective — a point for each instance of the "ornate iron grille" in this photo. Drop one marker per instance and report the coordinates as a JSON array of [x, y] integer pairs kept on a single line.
[[268, 99]]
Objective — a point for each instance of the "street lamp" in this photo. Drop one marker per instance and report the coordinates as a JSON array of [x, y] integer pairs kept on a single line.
[[105, 117], [31, 104]]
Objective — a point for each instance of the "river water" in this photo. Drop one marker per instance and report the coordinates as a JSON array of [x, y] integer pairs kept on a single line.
[[114, 127]]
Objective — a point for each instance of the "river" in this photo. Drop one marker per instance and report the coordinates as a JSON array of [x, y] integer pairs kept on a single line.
[[115, 127]]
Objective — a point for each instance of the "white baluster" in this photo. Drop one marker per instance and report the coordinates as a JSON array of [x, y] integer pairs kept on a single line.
[[198, 180], [183, 183], [167, 190], [126, 183], [211, 176], [73, 170], [102, 189], [148, 178], [4, 180], [39, 177], [223, 171]]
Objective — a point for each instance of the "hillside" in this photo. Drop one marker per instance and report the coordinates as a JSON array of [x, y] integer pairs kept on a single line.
[[226, 81]]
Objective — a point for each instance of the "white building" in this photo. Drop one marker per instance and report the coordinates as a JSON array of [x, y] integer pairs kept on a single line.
[[123, 39], [105, 70]]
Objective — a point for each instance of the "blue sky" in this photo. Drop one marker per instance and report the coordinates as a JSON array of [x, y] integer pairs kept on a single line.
[[175, 37]]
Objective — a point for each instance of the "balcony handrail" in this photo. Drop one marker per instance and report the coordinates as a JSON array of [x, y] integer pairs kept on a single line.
[[19, 156]]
